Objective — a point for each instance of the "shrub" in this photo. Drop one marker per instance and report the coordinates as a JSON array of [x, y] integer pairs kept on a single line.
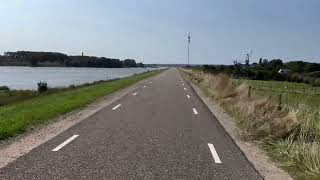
[[72, 86], [5, 88], [295, 77], [317, 82], [42, 86], [308, 80]]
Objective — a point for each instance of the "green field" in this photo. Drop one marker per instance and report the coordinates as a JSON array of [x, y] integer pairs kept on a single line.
[[17, 117], [292, 94]]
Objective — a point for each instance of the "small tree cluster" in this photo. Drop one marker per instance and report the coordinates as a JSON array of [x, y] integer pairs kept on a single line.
[[4, 88]]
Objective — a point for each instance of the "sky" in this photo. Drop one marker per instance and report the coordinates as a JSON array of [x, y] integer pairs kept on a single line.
[[156, 31]]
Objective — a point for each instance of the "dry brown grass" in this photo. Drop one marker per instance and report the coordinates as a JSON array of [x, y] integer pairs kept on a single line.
[[259, 115], [292, 132]]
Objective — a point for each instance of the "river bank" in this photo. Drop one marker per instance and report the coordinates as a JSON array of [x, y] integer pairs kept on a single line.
[[17, 117]]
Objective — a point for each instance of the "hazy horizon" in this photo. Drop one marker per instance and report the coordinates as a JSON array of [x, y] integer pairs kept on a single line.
[[156, 32]]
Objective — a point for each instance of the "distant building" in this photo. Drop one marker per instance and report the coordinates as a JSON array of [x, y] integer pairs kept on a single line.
[[284, 71]]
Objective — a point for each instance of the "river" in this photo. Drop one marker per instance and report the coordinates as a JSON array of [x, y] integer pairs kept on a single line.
[[26, 78]]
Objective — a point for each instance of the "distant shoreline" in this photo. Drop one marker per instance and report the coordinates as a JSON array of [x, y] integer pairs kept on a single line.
[[54, 59], [73, 67]]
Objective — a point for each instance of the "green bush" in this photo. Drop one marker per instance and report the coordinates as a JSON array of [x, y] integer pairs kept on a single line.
[[4, 88], [42, 86]]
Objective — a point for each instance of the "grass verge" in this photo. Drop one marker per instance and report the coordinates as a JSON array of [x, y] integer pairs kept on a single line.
[[290, 134], [18, 117]]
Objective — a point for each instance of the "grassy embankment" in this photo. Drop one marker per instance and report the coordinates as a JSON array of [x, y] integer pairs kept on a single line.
[[18, 116], [290, 132]]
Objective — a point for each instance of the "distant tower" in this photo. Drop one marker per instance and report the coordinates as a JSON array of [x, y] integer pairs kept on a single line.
[[82, 53], [247, 61], [189, 48], [248, 56]]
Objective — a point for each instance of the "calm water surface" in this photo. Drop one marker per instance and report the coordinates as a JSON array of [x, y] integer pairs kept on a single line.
[[27, 77]]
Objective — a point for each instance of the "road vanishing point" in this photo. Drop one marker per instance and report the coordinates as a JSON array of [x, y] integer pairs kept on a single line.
[[161, 130]]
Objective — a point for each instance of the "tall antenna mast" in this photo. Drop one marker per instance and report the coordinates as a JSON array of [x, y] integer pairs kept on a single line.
[[189, 48], [248, 56]]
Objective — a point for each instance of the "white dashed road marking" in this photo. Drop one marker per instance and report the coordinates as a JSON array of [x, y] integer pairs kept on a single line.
[[214, 153], [134, 94], [188, 96], [116, 107], [195, 111], [65, 143], [185, 89]]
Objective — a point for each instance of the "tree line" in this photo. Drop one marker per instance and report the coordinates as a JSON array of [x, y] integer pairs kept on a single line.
[[295, 71], [58, 59]]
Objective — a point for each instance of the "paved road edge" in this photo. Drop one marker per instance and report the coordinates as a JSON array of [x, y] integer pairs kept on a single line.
[[14, 148], [257, 157]]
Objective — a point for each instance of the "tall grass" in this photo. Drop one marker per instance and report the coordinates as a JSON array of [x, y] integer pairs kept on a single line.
[[18, 117], [291, 134]]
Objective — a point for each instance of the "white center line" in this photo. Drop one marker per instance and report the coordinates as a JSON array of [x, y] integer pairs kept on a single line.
[[134, 94], [144, 86], [188, 96], [214, 153], [150, 82], [116, 107], [65, 143], [195, 111], [182, 84], [185, 89]]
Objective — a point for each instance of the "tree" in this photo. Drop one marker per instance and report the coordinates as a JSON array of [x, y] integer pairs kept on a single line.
[[265, 61], [276, 64], [311, 67], [129, 63], [296, 66], [140, 65]]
